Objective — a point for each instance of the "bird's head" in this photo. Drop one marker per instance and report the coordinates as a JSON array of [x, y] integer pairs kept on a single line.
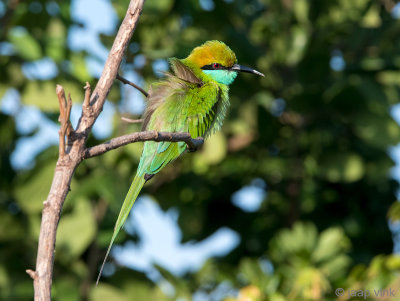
[[217, 60]]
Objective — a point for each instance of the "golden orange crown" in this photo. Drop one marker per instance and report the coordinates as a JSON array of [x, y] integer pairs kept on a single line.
[[212, 52]]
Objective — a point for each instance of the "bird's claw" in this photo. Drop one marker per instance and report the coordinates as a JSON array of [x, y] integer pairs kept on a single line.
[[195, 144]]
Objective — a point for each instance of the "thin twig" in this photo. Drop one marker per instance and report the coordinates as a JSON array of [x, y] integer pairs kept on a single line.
[[128, 120], [127, 82], [193, 144]]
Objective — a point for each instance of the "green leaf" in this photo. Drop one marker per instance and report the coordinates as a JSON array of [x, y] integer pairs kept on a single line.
[[4, 281], [79, 68], [336, 267], [301, 10], [393, 262], [56, 40], [107, 292], [77, 229], [310, 284], [331, 242], [31, 194], [26, 45], [10, 228], [372, 18], [65, 289], [251, 273], [300, 240], [394, 212], [145, 291], [41, 94], [377, 128], [213, 151], [156, 7], [3, 90], [342, 167], [389, 77]]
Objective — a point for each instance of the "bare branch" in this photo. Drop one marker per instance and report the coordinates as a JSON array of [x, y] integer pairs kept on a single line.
[[114, 143], [86, 101], [127, 82], [128, 120], [70, 159]]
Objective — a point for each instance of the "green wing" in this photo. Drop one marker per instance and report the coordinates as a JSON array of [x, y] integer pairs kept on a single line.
[[181, 103]]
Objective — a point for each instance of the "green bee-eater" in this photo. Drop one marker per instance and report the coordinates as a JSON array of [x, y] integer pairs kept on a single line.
[[193, 99]]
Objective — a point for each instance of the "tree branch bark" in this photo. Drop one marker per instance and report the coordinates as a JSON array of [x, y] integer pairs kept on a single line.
[[71, 156], [114, 143]]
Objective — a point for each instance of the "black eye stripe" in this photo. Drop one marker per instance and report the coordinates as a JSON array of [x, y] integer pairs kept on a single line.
[[214, 66]]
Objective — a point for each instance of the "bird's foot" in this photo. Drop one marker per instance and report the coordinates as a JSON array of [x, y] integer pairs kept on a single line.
[[195, 144], [148, 176]]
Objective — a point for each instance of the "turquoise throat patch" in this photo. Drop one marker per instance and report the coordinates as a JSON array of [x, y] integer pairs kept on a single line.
[[225, 77]]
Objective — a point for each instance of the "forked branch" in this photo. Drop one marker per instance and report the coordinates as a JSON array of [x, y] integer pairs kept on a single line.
[[71, 156], [73, 150]]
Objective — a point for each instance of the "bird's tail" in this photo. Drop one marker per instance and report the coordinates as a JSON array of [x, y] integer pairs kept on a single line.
[[130, 199]]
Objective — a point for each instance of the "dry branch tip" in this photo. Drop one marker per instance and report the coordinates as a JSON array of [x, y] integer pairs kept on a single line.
[[88, 91], [129, 120], [32, 274]]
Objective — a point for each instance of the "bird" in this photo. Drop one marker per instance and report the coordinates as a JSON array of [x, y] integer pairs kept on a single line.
[[194, 99]]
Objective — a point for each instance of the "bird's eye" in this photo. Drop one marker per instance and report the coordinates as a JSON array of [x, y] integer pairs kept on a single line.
[[216, 66]]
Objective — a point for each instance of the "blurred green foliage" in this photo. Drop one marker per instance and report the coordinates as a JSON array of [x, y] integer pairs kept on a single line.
[[316, 129]]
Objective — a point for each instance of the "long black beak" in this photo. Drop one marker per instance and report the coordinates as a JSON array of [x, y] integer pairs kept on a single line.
[[241, 68]]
